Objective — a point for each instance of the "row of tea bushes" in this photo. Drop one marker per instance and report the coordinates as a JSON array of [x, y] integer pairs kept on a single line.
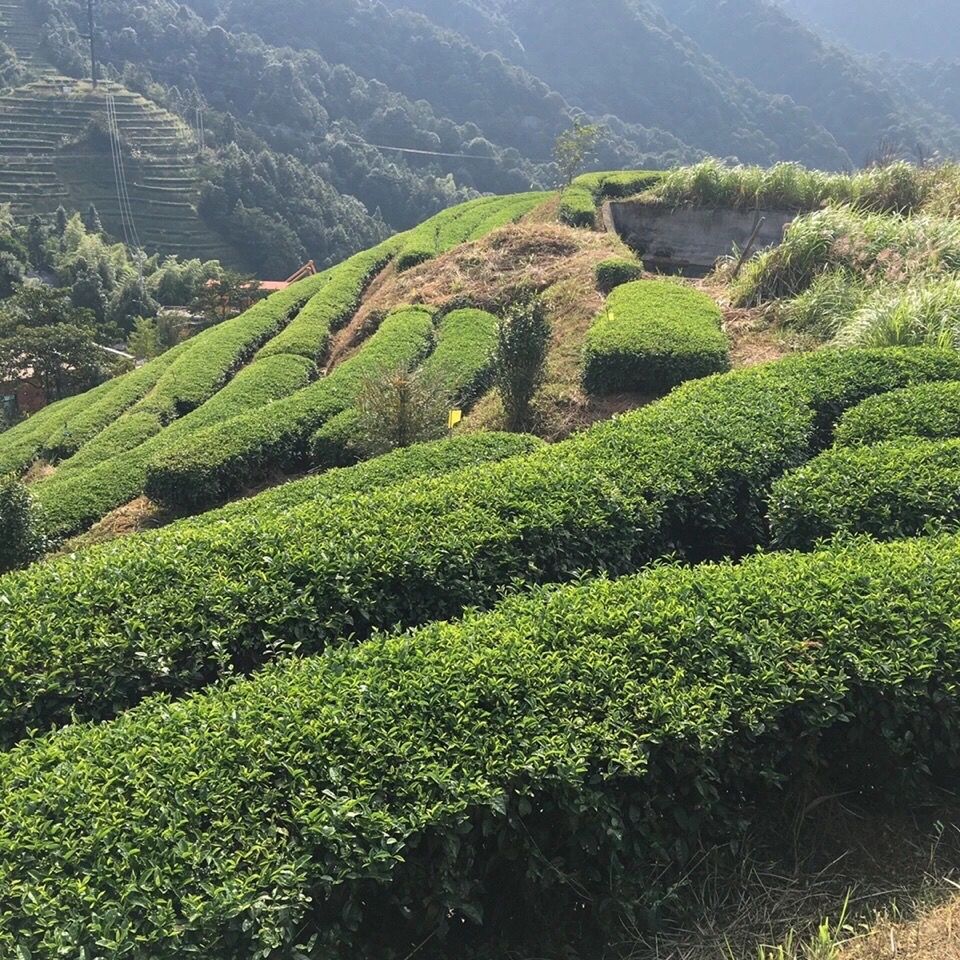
[[332, 306], [22, 443], [522, 779], [74, 500], [461, 224], [170, 611], [206, 363], [96, 417], [930, 410], [900, 488], [579, 201], [213, 464], [654, 335]]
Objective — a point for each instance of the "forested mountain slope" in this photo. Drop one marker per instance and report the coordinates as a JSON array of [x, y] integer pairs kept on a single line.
[[328, 124], [926, 30]]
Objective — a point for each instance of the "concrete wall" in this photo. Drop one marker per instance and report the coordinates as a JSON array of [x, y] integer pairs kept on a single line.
[[690, 240]]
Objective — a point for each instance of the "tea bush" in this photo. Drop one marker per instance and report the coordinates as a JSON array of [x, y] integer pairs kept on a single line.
[[615, 273], [172, 610], [928, 410], [900, 488], [462, 363], [654, 335], [212, 464], [22, 539], [522, 779]]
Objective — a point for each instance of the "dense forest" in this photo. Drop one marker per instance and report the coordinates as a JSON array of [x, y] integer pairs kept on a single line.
[[329, 124], [928, 31]]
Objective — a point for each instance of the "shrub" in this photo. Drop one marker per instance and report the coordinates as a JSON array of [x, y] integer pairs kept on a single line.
[[928, 410], [462, 363], [615, 273], [172, 610], [332, 306], [507, 784], [21, 530], [654, 335], [897, 489], [520, 359], [21, 444], [214, 463]]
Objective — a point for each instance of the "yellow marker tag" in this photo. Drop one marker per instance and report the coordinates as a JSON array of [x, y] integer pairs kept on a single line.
[[455, 417]]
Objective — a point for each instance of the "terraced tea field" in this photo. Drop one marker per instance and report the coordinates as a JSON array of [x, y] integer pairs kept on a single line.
[[55, 149]]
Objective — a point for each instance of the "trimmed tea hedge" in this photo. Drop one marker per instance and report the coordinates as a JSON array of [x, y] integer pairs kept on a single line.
[[309, 333], [579, 202], [207, 363], [516, 781], [175, 609], [461, 224], [462, 362], [901, 488], [615, 273], [930, 410], [213, 464], [72, 501], [420, 461], [96, 417], [653, 336]]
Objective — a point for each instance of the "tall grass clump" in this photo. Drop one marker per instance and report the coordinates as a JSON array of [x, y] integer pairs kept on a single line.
[[925, 312], [875, 246], [893, 188], [826, 305]]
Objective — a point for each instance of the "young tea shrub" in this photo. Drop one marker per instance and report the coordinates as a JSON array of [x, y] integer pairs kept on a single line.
[[581, 745], [22, 539], [901, 488], [520, 360], [653, 336], [615, 273]]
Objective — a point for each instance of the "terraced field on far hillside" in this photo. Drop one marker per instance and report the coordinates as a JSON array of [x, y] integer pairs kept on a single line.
[[55, 148]]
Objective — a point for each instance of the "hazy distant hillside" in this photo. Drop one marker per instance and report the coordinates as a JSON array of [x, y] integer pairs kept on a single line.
[[924, 30]]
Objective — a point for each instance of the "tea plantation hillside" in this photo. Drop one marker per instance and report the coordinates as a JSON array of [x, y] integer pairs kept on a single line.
[[497, 695]]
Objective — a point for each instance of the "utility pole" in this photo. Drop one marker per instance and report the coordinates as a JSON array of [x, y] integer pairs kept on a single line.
[[92, 37]]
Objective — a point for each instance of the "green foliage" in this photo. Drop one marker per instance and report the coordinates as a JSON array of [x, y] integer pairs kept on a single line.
[[466, 222], [922, 312], [615, 272], [826, 305], [842, 238], [214, 463], [579, 202], [893, 188], [930, 411], [897, 489], [520, 359], [461, 365], [689, 475], [76, 497], [343, 804], [572, 148], [341, 288], [653, 336], [21, 528]]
